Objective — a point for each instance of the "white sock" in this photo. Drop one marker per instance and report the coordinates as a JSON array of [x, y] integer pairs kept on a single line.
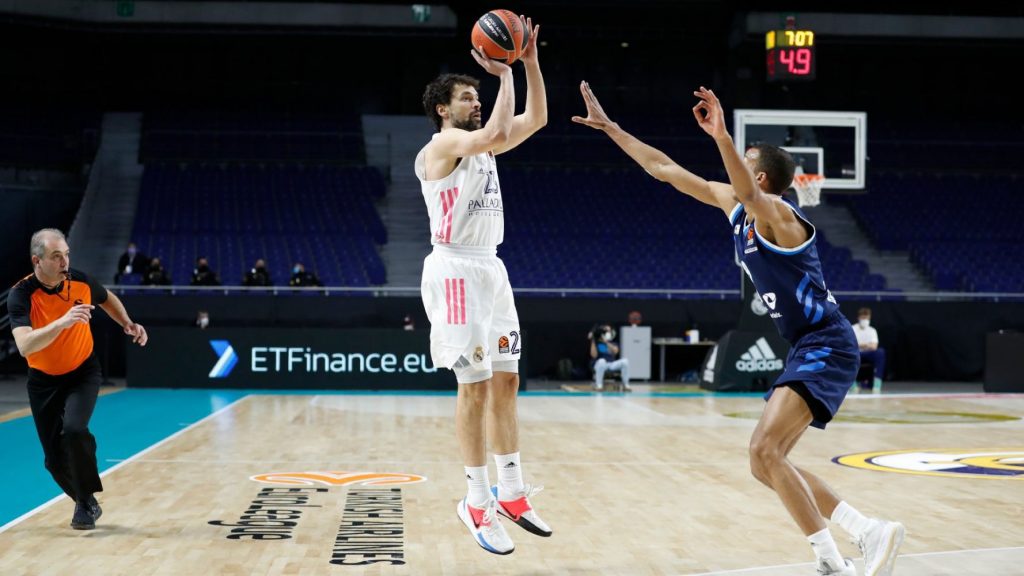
[[479, 486], [851, 520], [510, 476], [825, 548]]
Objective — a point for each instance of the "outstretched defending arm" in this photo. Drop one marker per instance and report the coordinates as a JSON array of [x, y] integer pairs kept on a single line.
[[785, 228], [654, 161]]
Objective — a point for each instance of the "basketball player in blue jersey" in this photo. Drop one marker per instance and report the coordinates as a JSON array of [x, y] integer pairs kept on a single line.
[[775, 246]]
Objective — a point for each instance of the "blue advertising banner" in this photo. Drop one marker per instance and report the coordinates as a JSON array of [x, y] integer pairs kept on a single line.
[[285, 358]]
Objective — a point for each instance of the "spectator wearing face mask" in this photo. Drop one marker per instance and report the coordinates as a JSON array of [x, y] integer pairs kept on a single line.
[[202, 275], [302, 278], [604, 353], [203, 319], [257, 275], [131, 262], [867, 340]]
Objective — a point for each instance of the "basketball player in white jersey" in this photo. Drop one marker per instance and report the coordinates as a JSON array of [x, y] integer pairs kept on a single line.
[[474, 327]]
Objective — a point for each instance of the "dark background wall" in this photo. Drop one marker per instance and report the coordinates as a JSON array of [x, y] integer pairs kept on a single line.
[[56, 67], [933, 341]]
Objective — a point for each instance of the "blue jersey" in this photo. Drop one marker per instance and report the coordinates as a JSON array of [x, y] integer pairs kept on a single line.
[[789, 280], [603, 351]]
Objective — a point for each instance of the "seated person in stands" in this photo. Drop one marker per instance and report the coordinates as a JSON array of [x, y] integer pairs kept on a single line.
[[257, 275], [202, 275], [604, 356], [155, 274], [131, 262], [302, 278], [870, 351]]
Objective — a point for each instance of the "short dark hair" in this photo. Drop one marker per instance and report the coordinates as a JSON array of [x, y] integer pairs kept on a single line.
[[439, 91], [864, 312], [777, 164]]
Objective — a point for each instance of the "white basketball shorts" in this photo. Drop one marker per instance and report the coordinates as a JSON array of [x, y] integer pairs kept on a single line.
[[473, 318]]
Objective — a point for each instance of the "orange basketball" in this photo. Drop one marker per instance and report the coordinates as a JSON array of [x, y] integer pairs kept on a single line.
[[502, 35]]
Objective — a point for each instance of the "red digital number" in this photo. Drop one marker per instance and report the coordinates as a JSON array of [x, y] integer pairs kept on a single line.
[[798, 62], [803, 62], [786, 57]]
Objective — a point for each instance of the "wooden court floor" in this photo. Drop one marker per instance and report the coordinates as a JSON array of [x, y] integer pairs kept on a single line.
[[634, 485]]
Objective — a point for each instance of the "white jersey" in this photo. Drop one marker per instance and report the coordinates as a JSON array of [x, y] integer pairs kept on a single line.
[[465, 206]]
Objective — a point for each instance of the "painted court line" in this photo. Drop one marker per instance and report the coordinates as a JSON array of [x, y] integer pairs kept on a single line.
[[137, 456], [811, 564]]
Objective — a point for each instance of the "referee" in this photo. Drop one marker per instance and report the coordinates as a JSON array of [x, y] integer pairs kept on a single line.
[[50, 311]]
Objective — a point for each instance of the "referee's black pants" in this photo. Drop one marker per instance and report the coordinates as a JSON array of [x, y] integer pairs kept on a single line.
[[61, 407]]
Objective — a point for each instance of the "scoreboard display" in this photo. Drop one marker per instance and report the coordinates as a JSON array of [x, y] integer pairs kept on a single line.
[[790, 55]]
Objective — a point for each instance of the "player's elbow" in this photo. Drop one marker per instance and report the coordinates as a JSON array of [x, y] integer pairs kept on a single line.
[[498, 136], [661, 171]]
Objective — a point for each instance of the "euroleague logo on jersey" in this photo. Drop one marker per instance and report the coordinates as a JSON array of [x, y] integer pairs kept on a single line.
[[503, 345], [992, 464]]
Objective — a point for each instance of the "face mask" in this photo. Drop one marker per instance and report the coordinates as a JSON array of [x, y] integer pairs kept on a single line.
[[204, 322], [608, 335], [295, 270], [864, 322]]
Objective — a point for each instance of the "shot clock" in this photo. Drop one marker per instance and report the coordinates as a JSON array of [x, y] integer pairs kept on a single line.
[[790, 55]]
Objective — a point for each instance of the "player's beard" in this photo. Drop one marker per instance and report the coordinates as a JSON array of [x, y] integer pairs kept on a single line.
[[469, 124]]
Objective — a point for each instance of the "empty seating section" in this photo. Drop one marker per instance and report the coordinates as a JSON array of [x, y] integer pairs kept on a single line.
[[963, 230], [54, 140], [320, 215], [619, 228], [249, 136]]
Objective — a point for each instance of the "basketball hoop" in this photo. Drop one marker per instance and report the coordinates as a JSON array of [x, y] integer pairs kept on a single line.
[[808, 189]]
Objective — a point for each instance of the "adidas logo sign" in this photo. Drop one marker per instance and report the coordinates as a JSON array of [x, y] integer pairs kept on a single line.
[[759, 358]]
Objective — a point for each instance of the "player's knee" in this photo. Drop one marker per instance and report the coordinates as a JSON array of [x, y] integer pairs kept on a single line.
[[763, 455]]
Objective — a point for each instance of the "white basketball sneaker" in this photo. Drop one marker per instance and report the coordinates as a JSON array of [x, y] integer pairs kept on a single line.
[[485, 528], [521, 512], [825, 568], [880, 545]]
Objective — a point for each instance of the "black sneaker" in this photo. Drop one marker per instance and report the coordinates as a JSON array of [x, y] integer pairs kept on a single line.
[[94, 508], [83, 518]]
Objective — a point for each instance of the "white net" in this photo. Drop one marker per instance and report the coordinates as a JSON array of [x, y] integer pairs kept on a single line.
[[808, 189]]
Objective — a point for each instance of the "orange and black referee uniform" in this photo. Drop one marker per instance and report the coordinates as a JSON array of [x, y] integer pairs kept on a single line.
[[63, 379]]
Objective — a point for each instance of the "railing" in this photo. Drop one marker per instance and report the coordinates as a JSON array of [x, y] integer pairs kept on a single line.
[[391, 291], [385, 291]]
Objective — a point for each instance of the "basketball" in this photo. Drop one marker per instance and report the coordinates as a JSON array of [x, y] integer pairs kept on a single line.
[[502, 35]]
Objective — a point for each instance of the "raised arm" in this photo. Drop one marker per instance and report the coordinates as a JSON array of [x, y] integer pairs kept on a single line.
[[458, 143], [784, 228], [654, 161], [536, 114]]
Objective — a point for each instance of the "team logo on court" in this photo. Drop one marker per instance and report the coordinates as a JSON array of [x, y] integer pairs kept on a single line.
[[995, 464], [226, 361], [334, 478], [503, 345]]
